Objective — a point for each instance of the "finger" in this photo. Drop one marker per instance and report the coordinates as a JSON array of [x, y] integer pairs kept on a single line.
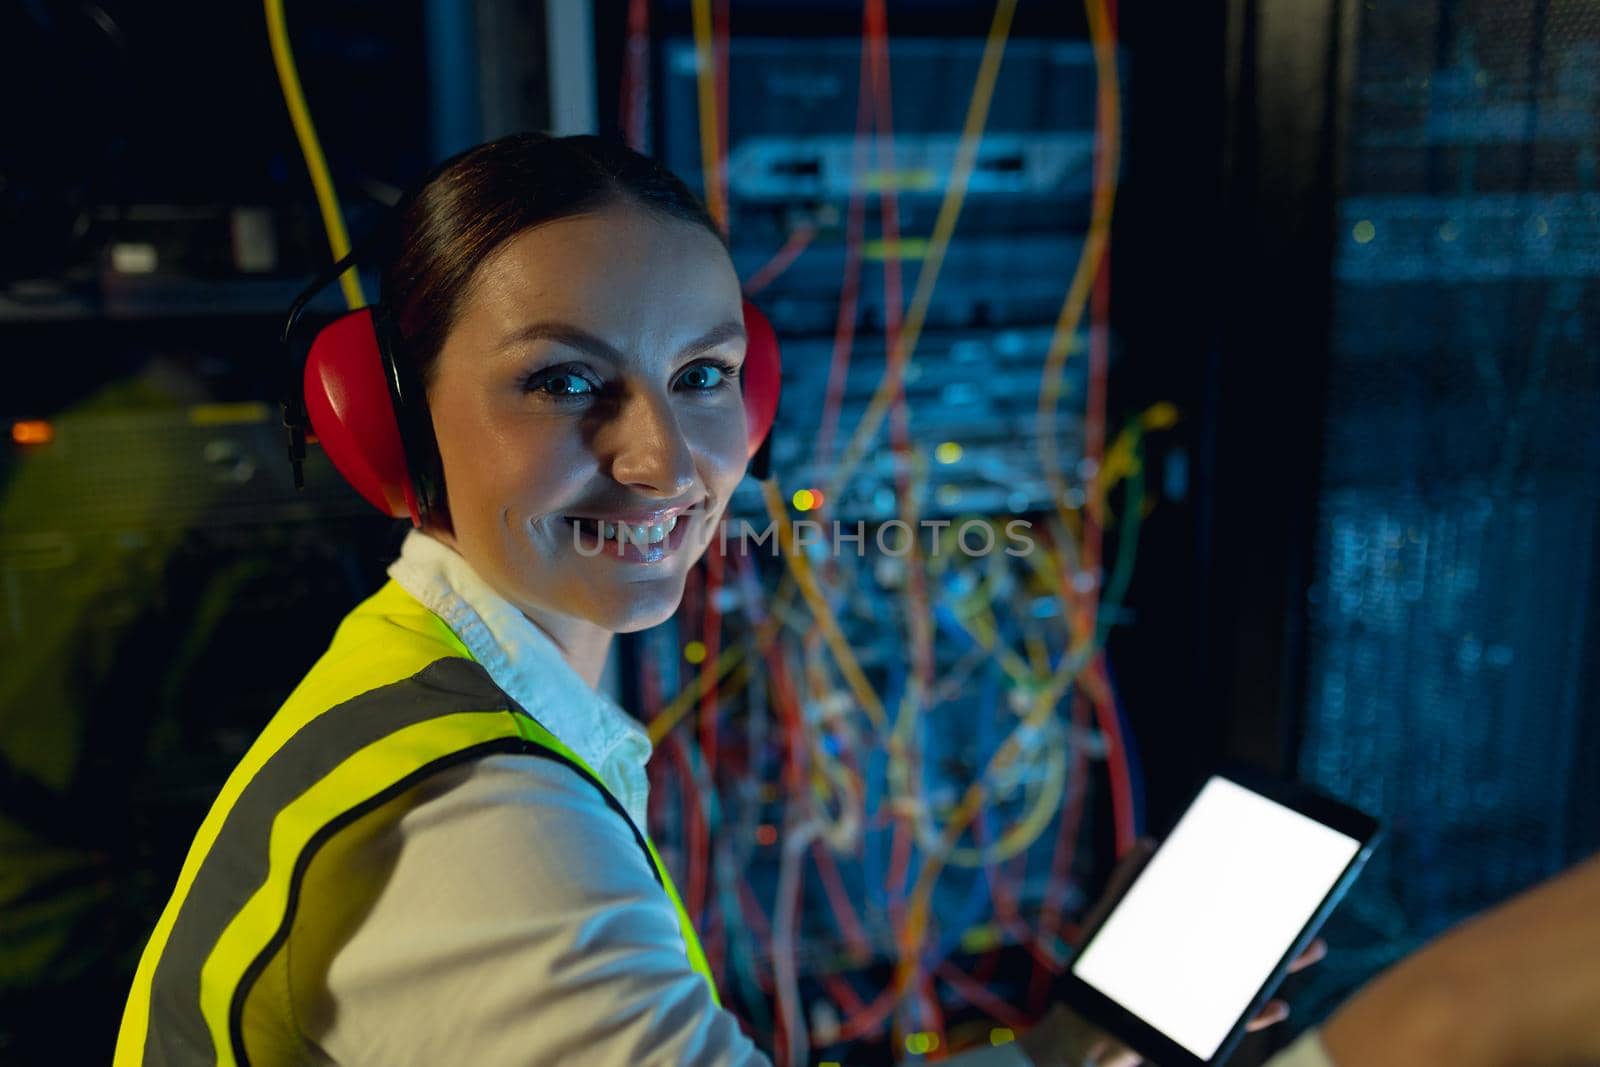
[[1313, 954], [1274, 1013]]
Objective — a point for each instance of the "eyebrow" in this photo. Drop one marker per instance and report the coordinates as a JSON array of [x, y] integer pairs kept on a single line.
[[574, 337]]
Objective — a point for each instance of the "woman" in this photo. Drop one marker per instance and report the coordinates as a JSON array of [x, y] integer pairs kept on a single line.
[[434, 854]]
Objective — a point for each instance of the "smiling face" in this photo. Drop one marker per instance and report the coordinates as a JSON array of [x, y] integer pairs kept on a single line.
[[590, 375]]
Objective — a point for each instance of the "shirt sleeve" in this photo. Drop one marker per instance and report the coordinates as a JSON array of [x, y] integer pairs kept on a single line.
[[506, 917]]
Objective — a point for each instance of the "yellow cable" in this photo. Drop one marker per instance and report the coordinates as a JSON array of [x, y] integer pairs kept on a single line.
[[1028, 829], [732, 663], [1038, 655], [1089, 261], [914, 924], [306, 133], [1008, 660], [705, 78], [1017, 837], [800, 567], [944, 226], [915, 919], [905, 341]]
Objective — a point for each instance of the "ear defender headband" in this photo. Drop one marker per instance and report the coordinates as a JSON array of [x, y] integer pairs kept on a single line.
[[364, 403]]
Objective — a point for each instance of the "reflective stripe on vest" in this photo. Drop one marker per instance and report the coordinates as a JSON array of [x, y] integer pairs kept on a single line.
[[309, 776]]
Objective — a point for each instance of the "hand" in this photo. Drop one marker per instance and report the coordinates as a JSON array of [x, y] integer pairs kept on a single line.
[[1275, 1011], [1066, 1039], [1515, 986], [1063, 1037]]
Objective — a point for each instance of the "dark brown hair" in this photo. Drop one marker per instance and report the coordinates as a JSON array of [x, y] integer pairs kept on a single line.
[[474, 202]]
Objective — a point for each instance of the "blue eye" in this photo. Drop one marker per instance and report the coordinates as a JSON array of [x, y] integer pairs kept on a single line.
[[561, 384], [703, 377]]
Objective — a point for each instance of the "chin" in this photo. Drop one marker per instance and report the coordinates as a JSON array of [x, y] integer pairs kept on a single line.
[[630, 614]]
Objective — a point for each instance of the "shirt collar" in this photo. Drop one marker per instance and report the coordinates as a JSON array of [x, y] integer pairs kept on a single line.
[[525, 662]]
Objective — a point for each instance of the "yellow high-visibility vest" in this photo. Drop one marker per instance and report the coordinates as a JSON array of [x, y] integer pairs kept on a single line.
[[396, 697]]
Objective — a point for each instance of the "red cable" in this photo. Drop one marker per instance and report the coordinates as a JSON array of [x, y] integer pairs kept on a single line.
[[635, 74], [1117, 758], [1066, 846], [1094, 449], [695, 831], [1005, 903], [696, 834], [799, 240], [849, 922], [979, 996], [843, 995], [790, 719], [920, 618], [750, 907], [1006, 907], [715, 943], [877, 65], [711, 639], [719, 47], [1094, 434], [870, 1022], [850, 287]]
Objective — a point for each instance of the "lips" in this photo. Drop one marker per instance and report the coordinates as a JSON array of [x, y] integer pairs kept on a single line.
[[629, 542]]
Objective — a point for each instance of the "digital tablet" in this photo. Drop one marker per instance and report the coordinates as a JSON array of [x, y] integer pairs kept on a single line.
[[1205, 933]]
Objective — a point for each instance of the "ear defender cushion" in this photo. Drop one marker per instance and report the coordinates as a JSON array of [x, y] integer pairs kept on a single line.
[[760, 377], [349, 403]]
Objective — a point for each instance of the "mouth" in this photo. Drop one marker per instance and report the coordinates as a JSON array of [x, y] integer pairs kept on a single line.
[[648, 542]]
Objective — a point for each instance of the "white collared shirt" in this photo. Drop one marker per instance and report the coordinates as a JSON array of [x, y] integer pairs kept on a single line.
[[525, 662]]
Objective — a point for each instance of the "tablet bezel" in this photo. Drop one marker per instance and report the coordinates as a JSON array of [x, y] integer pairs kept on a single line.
[[1150, 1042]]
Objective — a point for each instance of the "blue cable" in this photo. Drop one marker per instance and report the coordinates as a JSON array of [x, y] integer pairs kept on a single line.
[[982, 887], [874, 842]]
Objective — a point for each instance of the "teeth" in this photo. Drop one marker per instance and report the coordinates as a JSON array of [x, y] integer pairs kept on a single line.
[[648, 534]]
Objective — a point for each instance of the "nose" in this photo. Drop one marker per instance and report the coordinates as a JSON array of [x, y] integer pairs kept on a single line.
[[646, 446]]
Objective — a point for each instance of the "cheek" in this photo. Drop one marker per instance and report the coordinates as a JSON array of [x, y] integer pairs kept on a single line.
[[489, 469], [719, 440]]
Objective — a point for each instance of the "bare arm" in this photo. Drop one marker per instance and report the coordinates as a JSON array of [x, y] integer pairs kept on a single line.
[[1518, 985]]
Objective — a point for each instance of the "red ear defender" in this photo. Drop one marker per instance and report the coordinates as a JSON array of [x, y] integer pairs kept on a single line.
[[760, 379], [349, 403]]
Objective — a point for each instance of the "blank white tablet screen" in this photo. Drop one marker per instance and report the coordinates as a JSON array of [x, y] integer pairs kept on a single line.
[[1213, 912]]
